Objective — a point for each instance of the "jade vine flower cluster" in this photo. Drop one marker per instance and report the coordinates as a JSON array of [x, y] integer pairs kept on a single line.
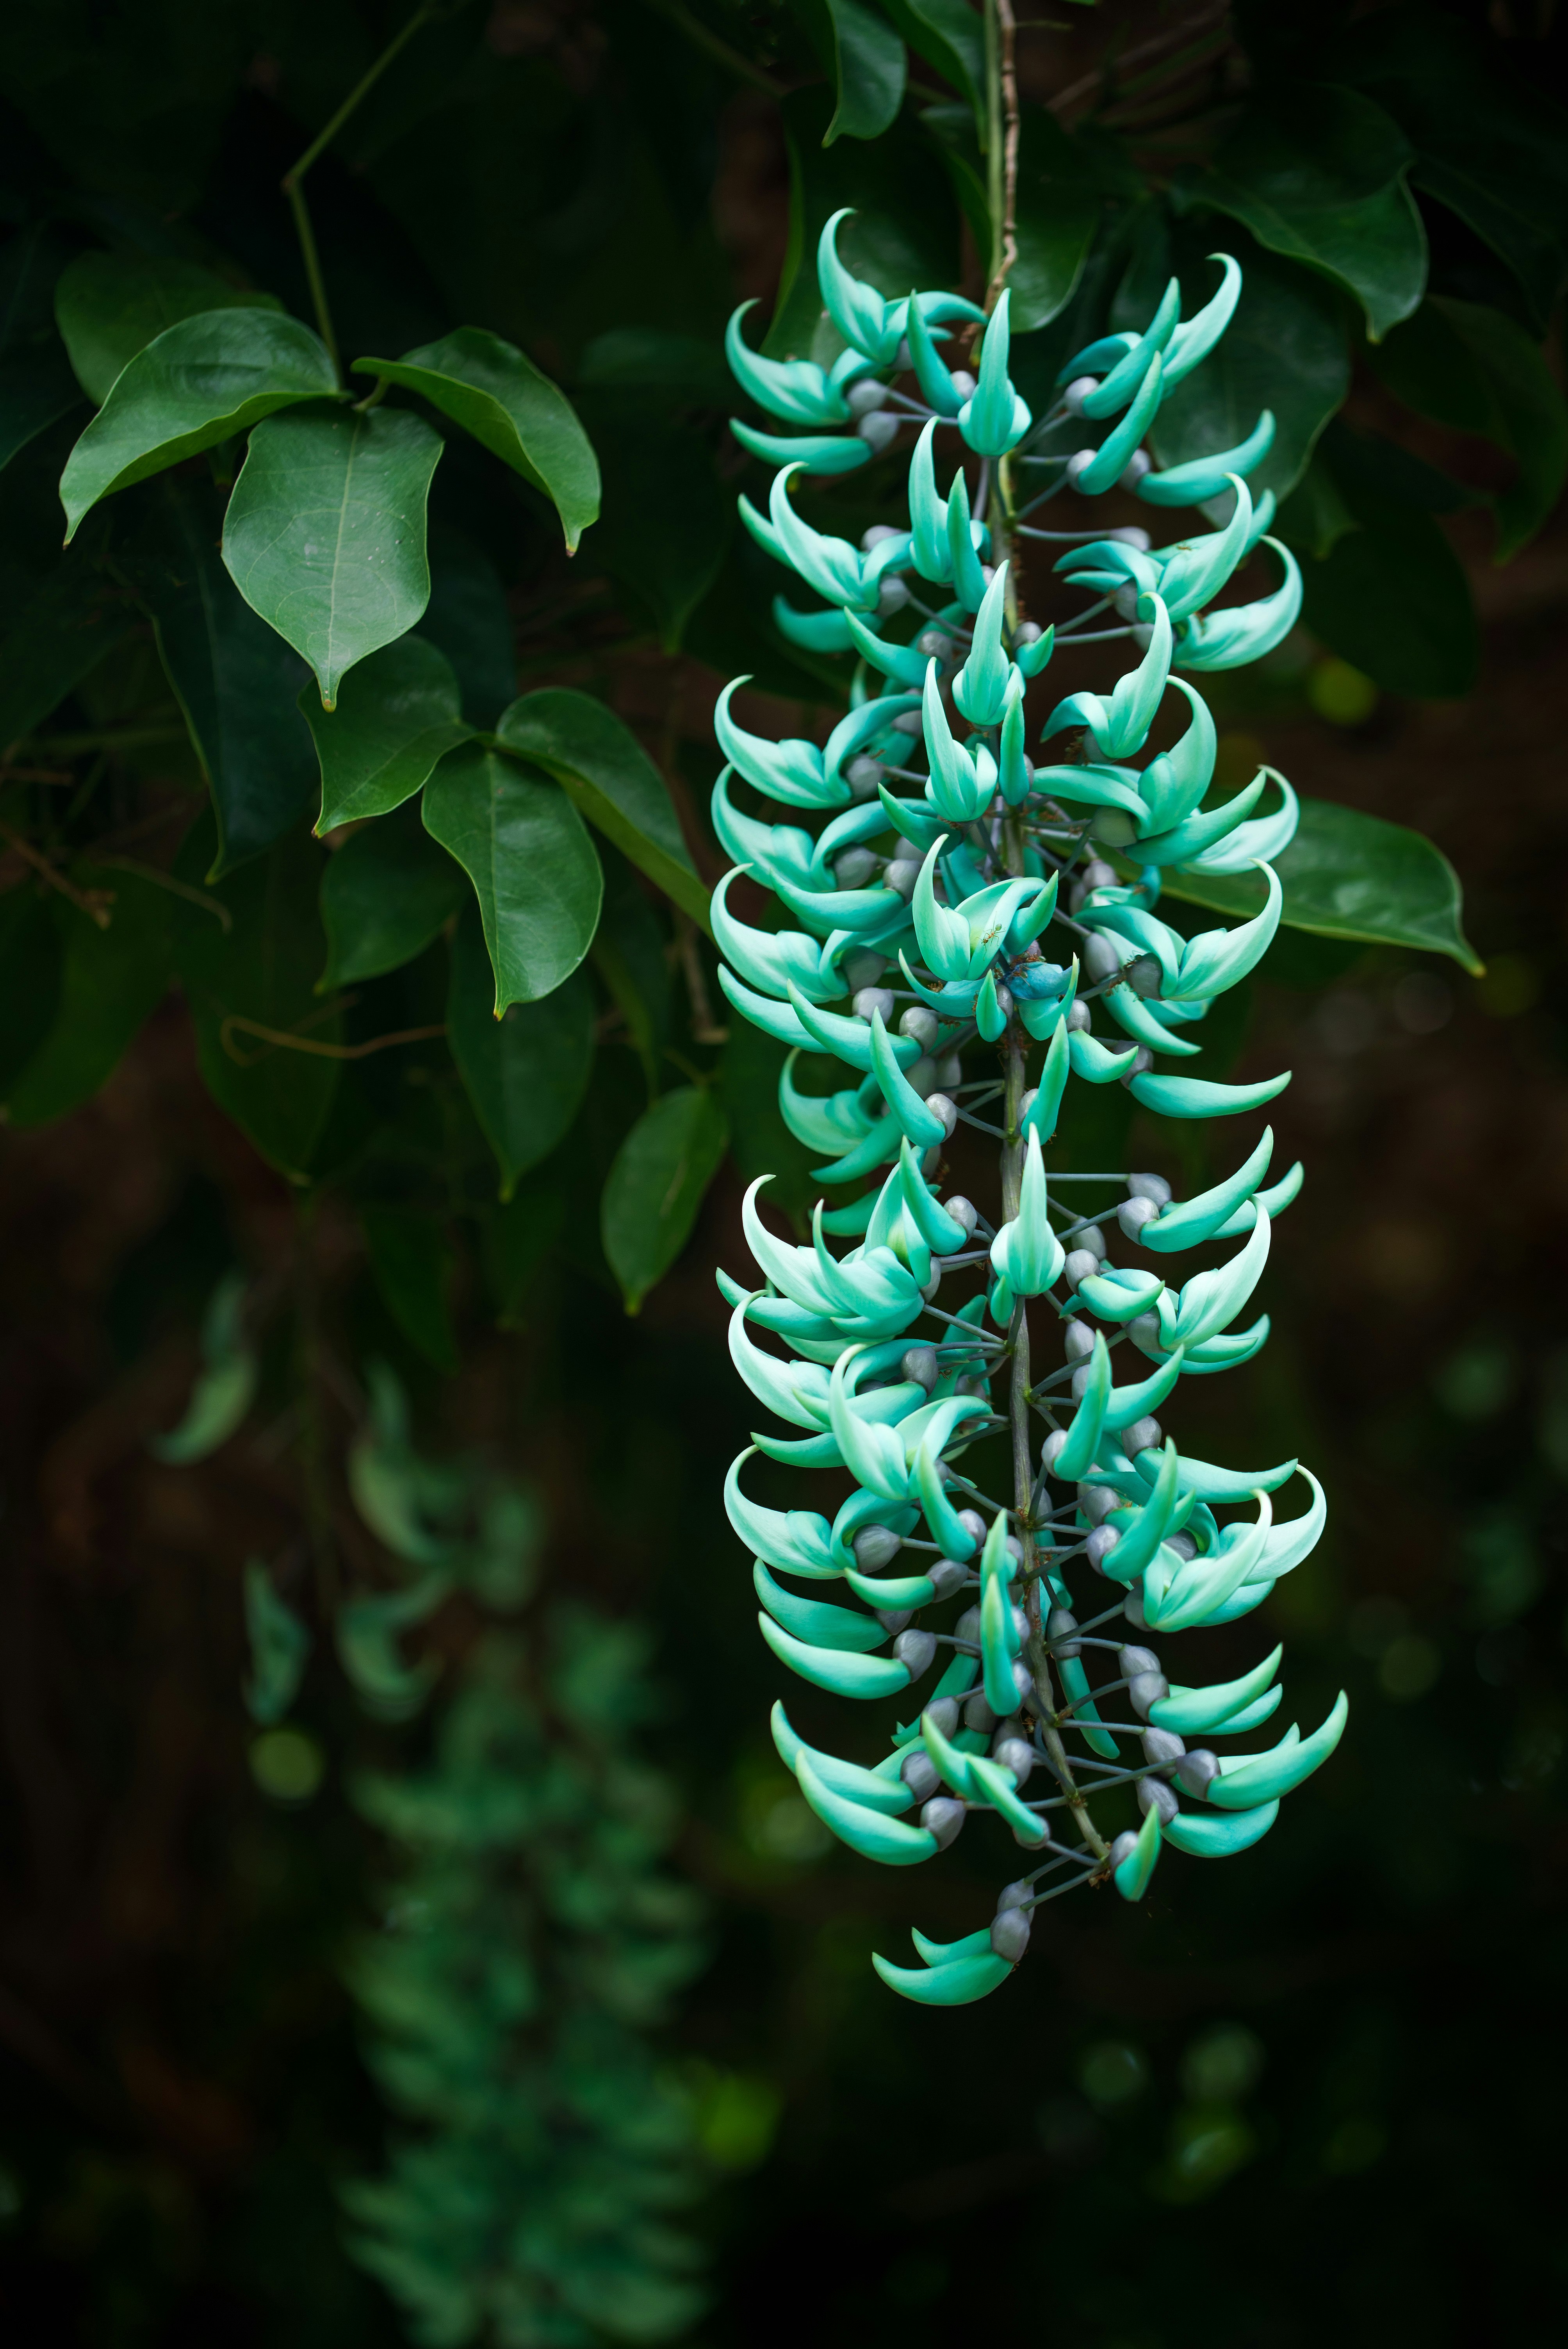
[[954, 936]]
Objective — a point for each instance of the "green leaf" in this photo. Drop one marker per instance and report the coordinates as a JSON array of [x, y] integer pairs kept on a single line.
[[1317, 174], [515, 1238], [280, 1648], [864, 58], [762, 1143], [667, 517], [1467, 366], [489, 388], [110, 305], [948, 33], [68, 623], [1391, 597], [525, 1073], [397, 716], [1284, 349], [325, 534], [904, 234], [412, 1262], [649, 359], [385, 894], [31, 959], [1314, 517], [656, 1185], [1349, 876], [237, 683], [262, 970], [200, 382], [37, 388], [467, 618], [1489, 145], [1057, 212], [610, 778], [111, 981], [525, 847]]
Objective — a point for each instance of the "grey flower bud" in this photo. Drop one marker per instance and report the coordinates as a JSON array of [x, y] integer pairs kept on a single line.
[[1081, 1379], [1051, 1450], [1125, 602], [947, 1575], [893, 595], [1145, 1331], [1077, 392], [1015, 1754], [1143, 1435], [1010, 1934], [1144, 975], [1134, 1214], [1142, 1062], [973, 1523], [881, 429], [893, 1618], [1004, 1001], [940, 1105], [902, 874], [855, 868], [1130, 534], [1126, 1844], [1162, 1745], [1060, 1625], [916, 1651], [921, 1076], [1077, 1339], [931, 1286], [1154, 1795], [920, 1775], [1145, 1689], [1080, 1264], [1092, 1238], [1136, 465], [1196, 1769], [1031, 1097], [1078, 464], [1182, 1544], [1078, 1018], [1023, 1680], [1150, 1186], [1137, 1660], [1142, 634], [934, 643], [862, 775], [870, 999], [977, 1714], [862, 399], [1101, 955], [943, 1817], [949, 1071], [1099, 874], [1013, 1896], [962, 1211], [963, 383], [863, 969], [921, 1365], [1097, 1501], [908, 722], [919, 1023], [875, 1547], [1132, 1607], [943, 1711], [1099, 1545], [880, 531]]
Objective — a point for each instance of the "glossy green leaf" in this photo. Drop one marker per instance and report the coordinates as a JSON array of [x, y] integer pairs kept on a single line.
[[467, 618], [1489, 145], [1391, 597], [412, 1262], [1058, 209], [1317, 174], [864, 59], [397, 716], [948, 34], [262, 970], [1350, 875], [110, 305], [70, 621], [325, 534], [237, 683], [1467, 366], [656, 1185], [200, 381], [1284, 349], [609, 777], [667, 517], [111, 981], [525, 847], [525, 1073], [489, 388], [385, 894]]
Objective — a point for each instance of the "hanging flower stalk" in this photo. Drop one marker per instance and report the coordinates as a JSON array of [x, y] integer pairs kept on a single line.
[[955, 937]]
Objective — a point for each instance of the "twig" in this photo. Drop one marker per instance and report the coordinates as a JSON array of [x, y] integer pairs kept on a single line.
[[280, 1038], [94, 902]]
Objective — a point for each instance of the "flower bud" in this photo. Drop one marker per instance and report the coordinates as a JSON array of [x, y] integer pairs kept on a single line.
[[1004, 1001], [1154, 1795], [893, 595], [875, 1547], [893, 1618], [1097, 1501], [870, 999], [1132, 1660], [968, 1625], [919, 1023], [1143, 1435], [1150, 1186], [1142, 1063], [1126, 1844], [1132, 1607], [934, 643], [977, 1714], [1080, 1379], [1099, 874], [1015, 1754], [863, 969], [1136, 465], [880, 531], [943, 1817], [1023, 1680], [1145, 1330], [881, 430], [1080, 1264], [931, 1286], [1142, 634], [944, 1713], [941, 1106], [1078, 1018], [973, 1523], [946, 1575], [901, 876], [920, 1775], [921, 1076], [1077, 1339], [1197, 1769], [908, 722], [961, 1211], [1182, 1544], [1010, 1934], [1060, 1624], [1146, 1688], [1077, 391], [1125, 602], [1093, 1239], [916, 1651], [863, 398], [1078, 464], [855, 868], [1028, 632], [1101, 955], [963, 383], [1099, 1545], [921, 1365], [863, 776], [1014, 1896], [1134, 1214], [1162, 1745], [949, 1071], [1131, 534]]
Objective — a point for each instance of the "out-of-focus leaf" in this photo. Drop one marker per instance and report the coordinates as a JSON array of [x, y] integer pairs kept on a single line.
[[236, 681], [397, 717], [527, 852], [413, 1265], [1317, 174], [68, 623], [948, 34], [110, 305], [1284, 349], [32, 958], [1489, 145], [36, 388], [489, 388], [262, 970], [1391, 597], [200, 381], [1350, 875], [864, 58], [656, 1185], [516, 1237], [606, 773], [761, 1142], [1467, 366], [325, 534], [667, 517], [385, 894], [526, 1072], [647, 358], [466, 619], [1314, 517], [225, 1386], [367, 1631], [280, 1648], [1057, 212], [111, 981]]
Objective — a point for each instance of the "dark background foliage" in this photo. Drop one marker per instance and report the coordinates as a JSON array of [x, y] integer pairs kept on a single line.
[[1317, 2088]]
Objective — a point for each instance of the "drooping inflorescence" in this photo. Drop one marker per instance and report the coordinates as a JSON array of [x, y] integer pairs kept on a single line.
[[919, 920]]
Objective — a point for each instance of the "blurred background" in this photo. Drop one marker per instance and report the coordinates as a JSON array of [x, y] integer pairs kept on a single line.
[[1317, 2087]]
